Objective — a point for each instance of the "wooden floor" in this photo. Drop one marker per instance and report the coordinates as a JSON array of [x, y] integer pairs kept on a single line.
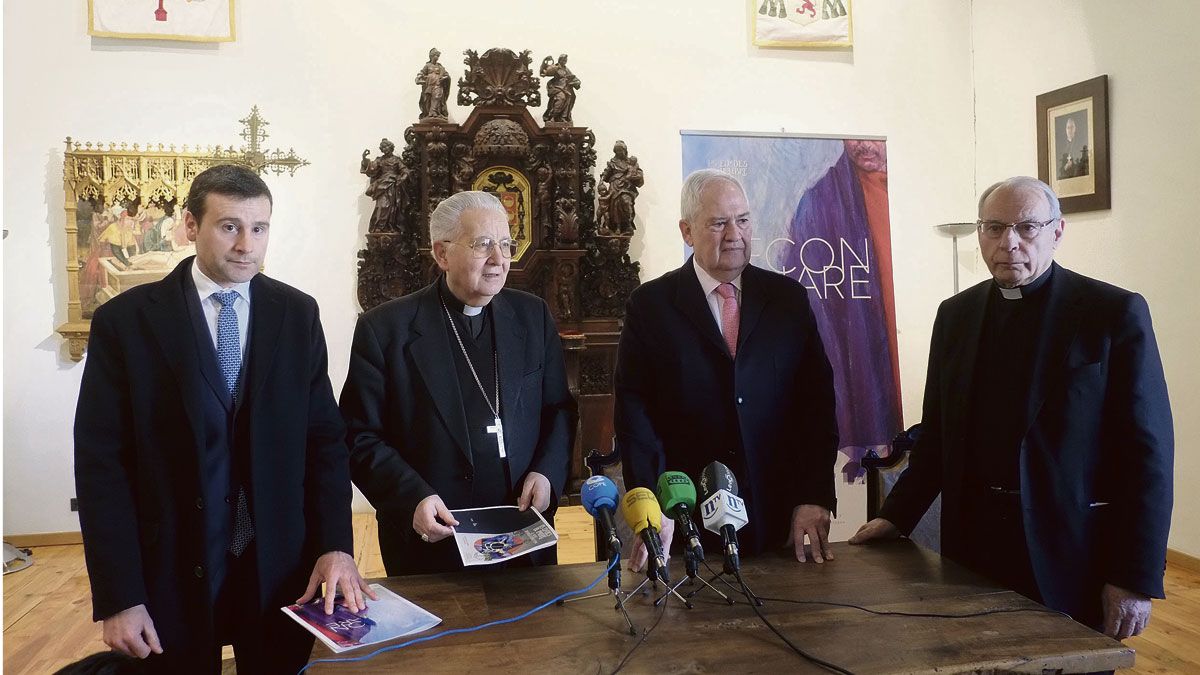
[[47, 607]]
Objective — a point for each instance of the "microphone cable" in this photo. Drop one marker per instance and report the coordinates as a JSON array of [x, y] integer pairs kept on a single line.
[[455, 631], [645, 634], [926, 615], [809, 657]]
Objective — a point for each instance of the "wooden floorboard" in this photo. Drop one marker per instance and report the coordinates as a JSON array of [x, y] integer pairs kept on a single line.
[[47, 607]]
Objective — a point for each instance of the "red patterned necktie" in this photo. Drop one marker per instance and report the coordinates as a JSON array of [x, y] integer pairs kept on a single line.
[[730, 316]]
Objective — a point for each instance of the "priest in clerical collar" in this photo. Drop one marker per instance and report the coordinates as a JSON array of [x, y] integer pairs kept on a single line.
[[457, 395], [1046, 428]]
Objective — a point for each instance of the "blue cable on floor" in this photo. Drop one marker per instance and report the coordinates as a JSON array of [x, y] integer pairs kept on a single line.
[[616, 561]]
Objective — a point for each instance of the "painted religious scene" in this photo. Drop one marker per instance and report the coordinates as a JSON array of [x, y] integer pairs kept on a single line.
[[126, 245]]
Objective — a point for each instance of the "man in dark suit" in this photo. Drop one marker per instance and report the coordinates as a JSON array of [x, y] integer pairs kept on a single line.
[[457, 395], [721, 361], [1046, 427], [210, 459]]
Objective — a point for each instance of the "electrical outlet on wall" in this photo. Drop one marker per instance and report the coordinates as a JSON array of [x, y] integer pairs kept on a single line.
[[74, 503]]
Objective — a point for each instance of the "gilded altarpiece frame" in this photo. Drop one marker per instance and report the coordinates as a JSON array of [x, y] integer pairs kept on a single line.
[[124, 214]]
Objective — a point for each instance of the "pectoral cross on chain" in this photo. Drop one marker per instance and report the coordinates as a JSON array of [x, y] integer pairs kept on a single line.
[[498, 429]]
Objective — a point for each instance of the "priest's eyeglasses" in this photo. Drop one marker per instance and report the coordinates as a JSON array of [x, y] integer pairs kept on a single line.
[[1025, 229], [481, 247]]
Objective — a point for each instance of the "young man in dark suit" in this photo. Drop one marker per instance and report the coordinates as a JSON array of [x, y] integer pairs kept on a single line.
[[210, 459], [457, 395], [1046, 428], [721, 361]]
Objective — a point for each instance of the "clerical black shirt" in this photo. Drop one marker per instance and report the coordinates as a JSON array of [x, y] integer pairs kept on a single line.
[[1000, 388], [490, 483]]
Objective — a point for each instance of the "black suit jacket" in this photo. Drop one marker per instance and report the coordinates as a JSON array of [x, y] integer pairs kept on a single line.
[[140, 434], [1097, 449], [682, 402], [404, 413]]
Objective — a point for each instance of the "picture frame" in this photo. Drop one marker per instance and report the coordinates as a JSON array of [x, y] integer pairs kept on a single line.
[[1072, 145], [124, 213], [802, 24]]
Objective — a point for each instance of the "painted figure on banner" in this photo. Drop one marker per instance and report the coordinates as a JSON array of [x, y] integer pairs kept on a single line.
[[841, 252], [560, 90], [435, 87], [388, 187]]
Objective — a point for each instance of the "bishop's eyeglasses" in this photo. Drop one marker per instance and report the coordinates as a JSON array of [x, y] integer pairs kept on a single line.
[[1025, 229], [481, 247]]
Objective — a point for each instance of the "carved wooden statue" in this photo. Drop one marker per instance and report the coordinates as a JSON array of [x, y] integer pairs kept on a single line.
[[560, 90], [435, 87], [618, 192], [389, 189], [543, 175]]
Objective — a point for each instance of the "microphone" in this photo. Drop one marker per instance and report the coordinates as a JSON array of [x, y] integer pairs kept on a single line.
[[641, 513], [677, 495], [722, 510], [599, 496]]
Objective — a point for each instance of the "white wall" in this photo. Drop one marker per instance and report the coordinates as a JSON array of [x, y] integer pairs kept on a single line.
[[1149, 241], [333, 78]]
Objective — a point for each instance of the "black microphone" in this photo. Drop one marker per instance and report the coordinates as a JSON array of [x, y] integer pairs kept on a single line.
[[722, 511]]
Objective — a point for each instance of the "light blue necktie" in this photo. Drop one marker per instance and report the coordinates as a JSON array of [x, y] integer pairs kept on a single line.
[[229, 346], [229, 356]]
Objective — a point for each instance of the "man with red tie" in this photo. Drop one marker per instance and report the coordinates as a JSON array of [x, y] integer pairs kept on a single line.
[[721, 361]]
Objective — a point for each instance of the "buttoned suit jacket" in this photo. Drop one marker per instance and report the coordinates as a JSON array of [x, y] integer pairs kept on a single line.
[[140, 446], [1097, 442], [682, 402]]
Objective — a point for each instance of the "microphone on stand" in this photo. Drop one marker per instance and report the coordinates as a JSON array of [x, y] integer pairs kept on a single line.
[[677, 495], [642, 514], [722, 511]]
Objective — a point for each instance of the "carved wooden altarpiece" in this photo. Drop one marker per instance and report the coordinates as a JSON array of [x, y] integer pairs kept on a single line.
[[543, 174]]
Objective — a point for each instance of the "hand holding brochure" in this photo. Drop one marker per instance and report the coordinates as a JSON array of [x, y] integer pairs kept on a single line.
[[497, 533], [389, 617]]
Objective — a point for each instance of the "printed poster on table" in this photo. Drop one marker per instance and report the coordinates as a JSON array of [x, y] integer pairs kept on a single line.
[[387, 618], [819, 209], [494, 534]]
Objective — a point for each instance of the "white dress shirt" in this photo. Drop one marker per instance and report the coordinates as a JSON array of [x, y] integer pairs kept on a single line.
[[205, 287], [709, 286]]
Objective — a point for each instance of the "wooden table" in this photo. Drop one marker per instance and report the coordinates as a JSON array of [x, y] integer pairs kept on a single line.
[[590, 636]]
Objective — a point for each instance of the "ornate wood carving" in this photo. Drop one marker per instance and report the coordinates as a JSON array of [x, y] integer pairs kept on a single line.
[[544, 174], [499, 77]]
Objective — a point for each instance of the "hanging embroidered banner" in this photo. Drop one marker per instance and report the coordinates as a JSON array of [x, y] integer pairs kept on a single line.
[[192, 20]]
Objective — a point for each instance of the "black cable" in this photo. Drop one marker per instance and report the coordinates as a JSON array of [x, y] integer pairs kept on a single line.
[[877, 612], [824, 664], [645, 634], [929, 615]]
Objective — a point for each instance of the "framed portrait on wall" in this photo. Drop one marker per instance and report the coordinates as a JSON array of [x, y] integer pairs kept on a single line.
[[1072, 144], [801, 24]]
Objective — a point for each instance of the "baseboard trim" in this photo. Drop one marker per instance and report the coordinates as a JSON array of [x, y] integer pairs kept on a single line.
[[44, 539], [1187, 562]]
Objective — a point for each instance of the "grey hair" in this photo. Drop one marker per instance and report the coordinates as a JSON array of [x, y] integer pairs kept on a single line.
[[1017, 182], [694, 184], [445, 222]]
